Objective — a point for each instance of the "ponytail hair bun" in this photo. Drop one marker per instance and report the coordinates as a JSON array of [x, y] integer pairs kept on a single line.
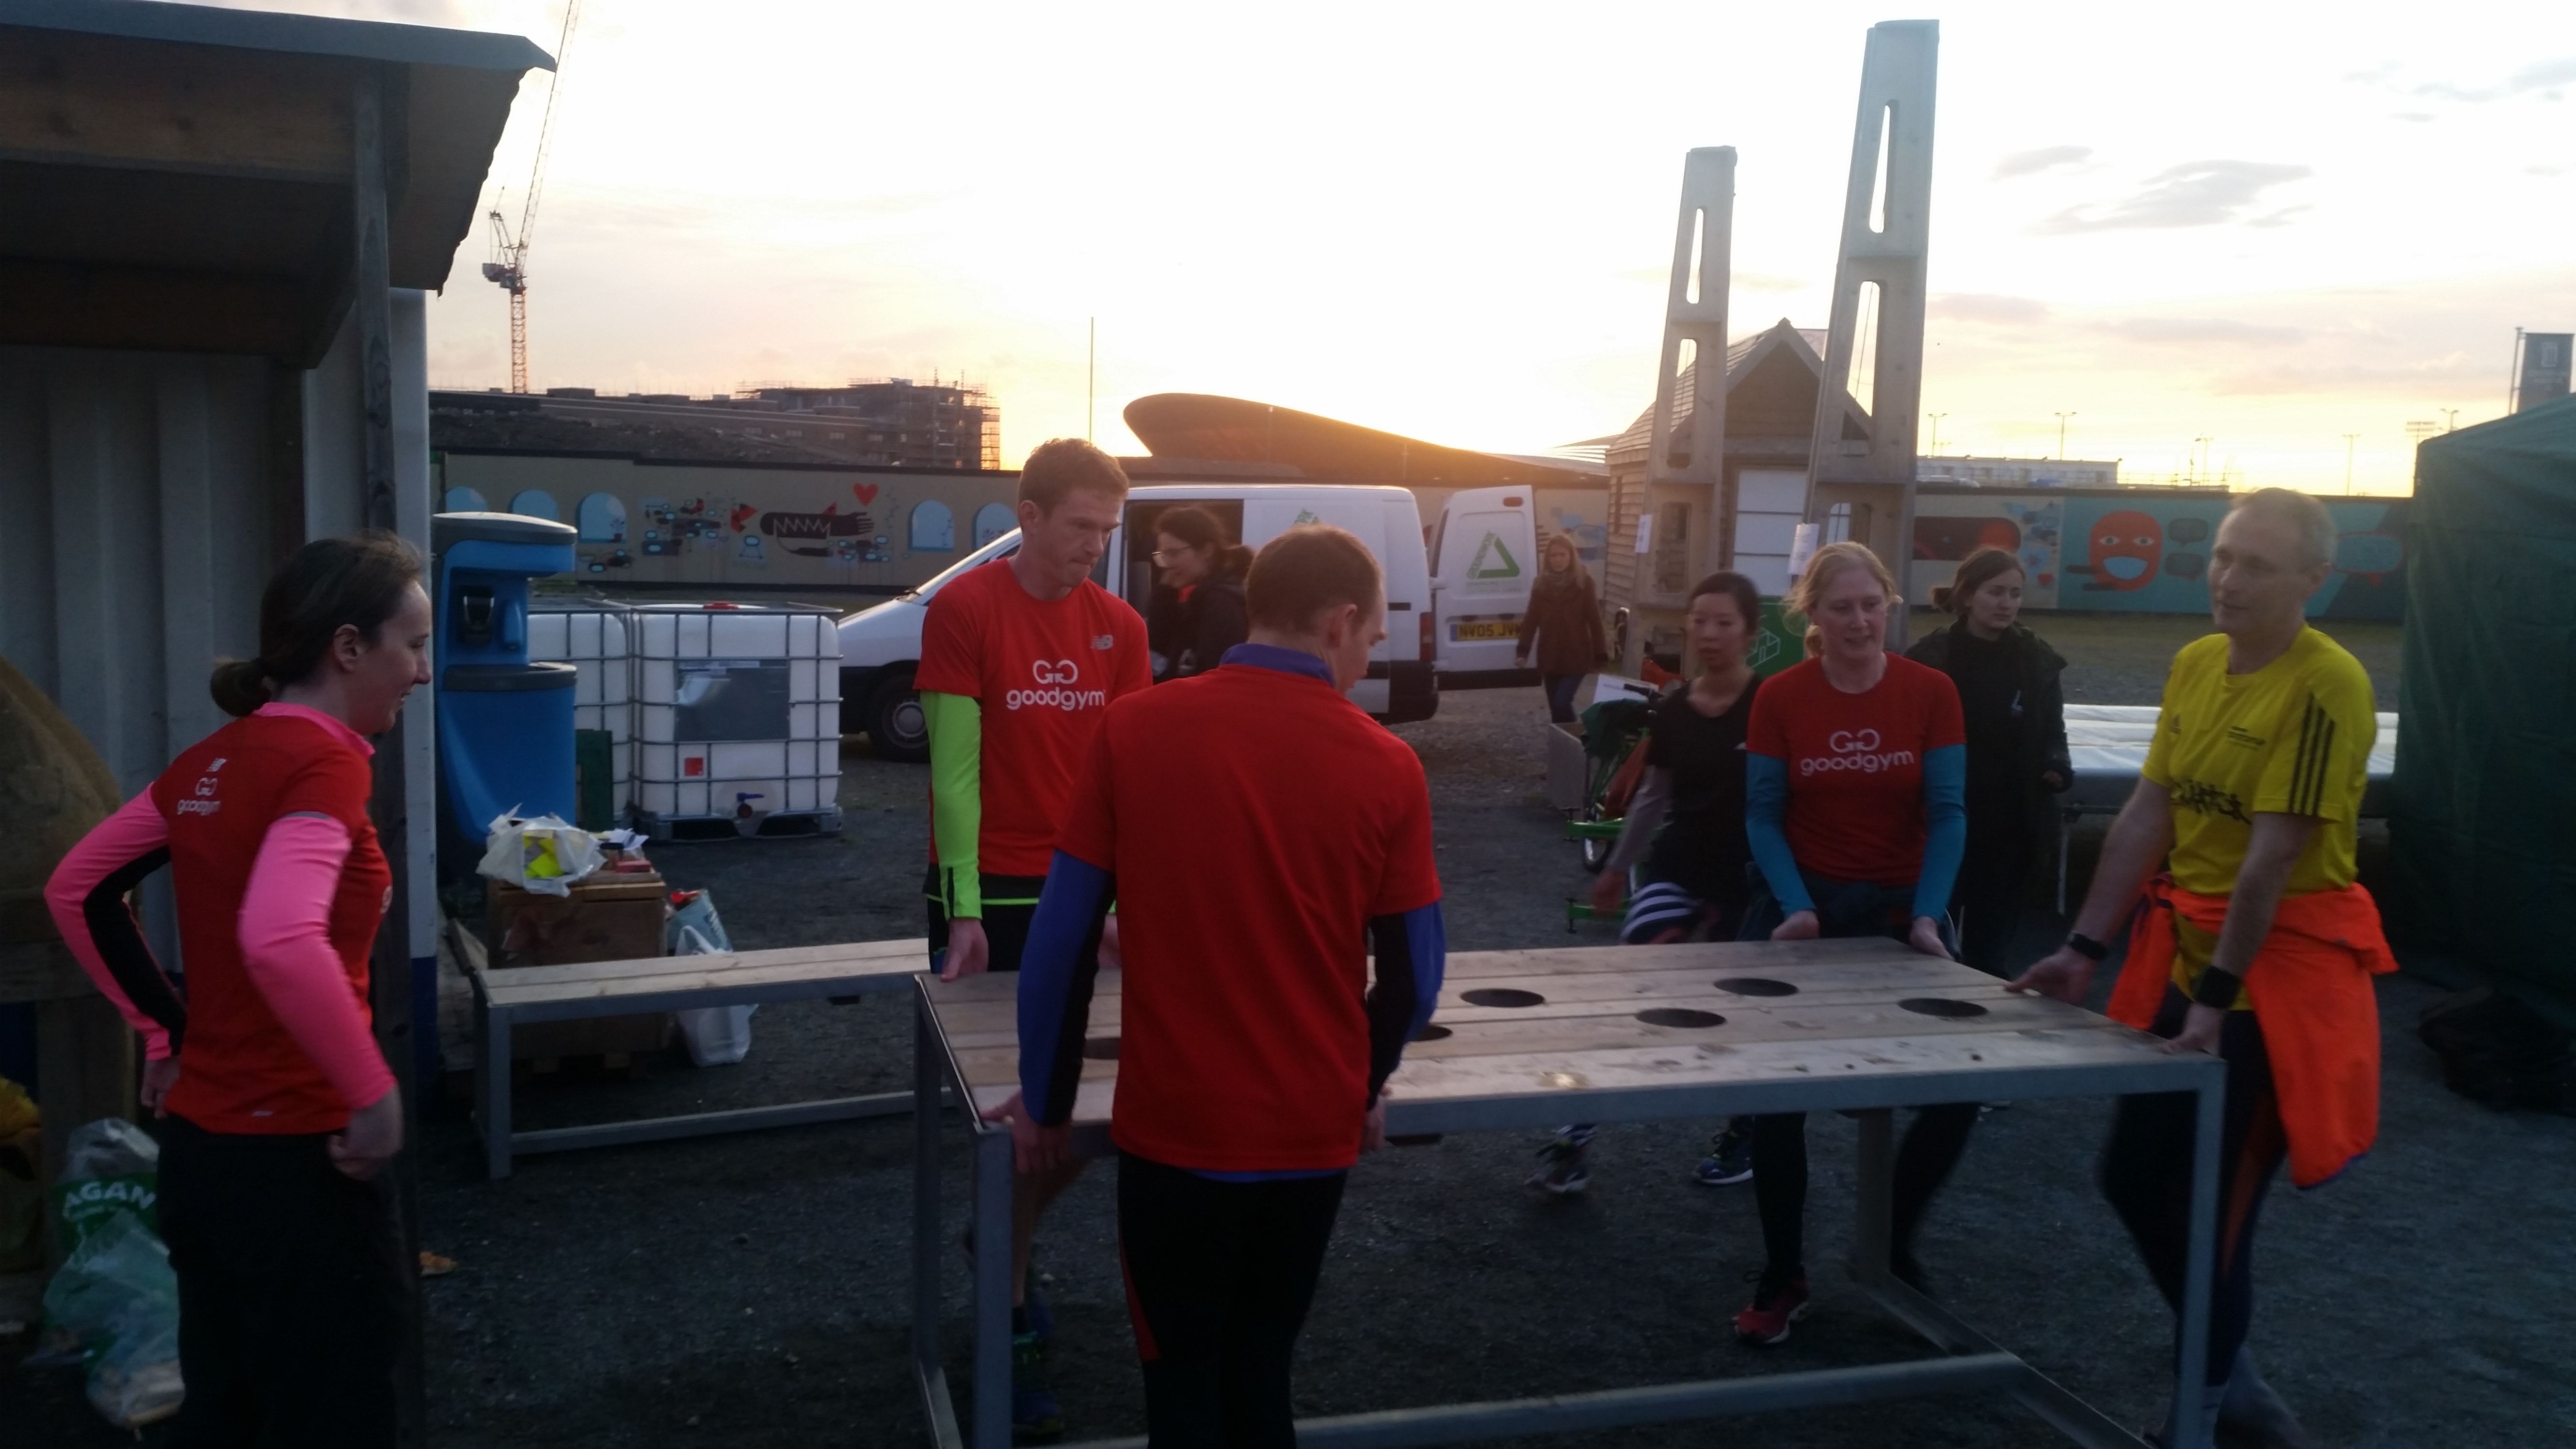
[[240, 687]]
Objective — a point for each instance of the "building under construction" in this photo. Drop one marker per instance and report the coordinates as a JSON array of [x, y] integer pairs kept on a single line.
[[885, 423]]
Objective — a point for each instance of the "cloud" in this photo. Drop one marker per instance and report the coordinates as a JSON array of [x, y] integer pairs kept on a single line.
[[2201, 332], [2196, 193], [1988, 308], [2544, 76], [2025, 163]]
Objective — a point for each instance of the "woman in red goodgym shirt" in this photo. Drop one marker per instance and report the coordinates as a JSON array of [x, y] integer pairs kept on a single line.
[[1855, 770], [277, 1110]]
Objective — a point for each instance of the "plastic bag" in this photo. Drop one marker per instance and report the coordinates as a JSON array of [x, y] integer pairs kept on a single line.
[[543, 855], [716, 1036], [117, 1300], [111, 1169]]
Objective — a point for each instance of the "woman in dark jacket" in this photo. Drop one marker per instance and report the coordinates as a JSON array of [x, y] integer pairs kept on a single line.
[[1201, 613], [2016, 716], [1565, 616]]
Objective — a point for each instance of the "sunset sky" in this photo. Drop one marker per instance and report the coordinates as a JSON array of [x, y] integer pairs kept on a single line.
[[1454, 221]]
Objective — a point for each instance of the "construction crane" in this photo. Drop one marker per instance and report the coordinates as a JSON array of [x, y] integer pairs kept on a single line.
[[509, 265]]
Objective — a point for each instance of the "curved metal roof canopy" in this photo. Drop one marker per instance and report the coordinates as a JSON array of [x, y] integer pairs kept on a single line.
[[180, 177], [1200, 426]]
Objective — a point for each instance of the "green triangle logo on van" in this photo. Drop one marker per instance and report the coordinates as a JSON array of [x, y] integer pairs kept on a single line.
[[1493, 560], [1305, 516]]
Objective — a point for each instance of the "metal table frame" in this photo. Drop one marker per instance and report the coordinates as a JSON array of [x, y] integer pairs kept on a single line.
[[1970, 1360], [494, 1020]]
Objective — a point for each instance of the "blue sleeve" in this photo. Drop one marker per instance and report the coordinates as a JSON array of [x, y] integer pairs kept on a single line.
[[1945, 821], [1412, 956], [1766, 810], [1057, 968]]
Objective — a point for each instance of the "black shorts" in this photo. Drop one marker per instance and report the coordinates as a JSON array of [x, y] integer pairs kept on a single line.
[[1010, 904]]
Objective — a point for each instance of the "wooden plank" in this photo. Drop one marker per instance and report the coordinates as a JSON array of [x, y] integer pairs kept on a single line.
[[697, 977], [70, 304], [99, 100], [639, 967], [1521, 1076]]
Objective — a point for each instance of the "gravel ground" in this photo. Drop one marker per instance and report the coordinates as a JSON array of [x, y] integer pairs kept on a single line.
[[753, 1290]]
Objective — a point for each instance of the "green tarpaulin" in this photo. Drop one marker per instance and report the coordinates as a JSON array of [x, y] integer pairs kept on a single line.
[[2482, 812]]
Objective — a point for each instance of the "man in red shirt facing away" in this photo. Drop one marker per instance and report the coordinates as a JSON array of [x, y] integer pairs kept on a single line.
[[1019, 661], [1254, 1053]]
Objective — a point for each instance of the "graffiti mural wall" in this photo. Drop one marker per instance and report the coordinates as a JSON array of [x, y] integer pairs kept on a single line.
[[2142, 551]]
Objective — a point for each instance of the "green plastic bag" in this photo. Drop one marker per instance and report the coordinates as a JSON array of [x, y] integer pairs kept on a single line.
[[111, 1169], [118, 1301]]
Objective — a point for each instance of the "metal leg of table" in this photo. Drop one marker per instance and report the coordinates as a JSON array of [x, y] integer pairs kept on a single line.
[[492, 1086], [930, 1376], [2202, 1263], [2065, 847], [1871, 1226], [992, 1281]]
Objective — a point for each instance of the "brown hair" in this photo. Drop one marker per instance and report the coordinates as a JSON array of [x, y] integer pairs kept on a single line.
[[1977, 570], [1058, 466], [1303, 572], [326, 585], [1832, 559], [1199, 529]]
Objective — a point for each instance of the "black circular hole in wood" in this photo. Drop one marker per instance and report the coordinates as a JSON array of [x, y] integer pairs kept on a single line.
[[1431, 1031], [1941, 1006], [1100, 1048], [1756, 986], [1681, 1016], [1501, 996]]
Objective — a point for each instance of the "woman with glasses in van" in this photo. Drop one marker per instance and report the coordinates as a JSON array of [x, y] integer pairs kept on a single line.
[[1199, 612]]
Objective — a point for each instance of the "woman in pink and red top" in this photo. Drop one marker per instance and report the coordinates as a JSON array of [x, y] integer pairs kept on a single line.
[[277, 1110]]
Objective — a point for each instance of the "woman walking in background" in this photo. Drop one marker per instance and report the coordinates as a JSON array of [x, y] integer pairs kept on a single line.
[[1854, 764], [1564, 616], [1686, 828], [2017, 758], [1204, 576], [277, 1110]]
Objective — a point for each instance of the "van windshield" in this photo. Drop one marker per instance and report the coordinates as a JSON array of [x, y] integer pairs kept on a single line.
[[1003, 547]]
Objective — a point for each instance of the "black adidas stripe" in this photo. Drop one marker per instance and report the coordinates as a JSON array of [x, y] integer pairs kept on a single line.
[[2316, 751]]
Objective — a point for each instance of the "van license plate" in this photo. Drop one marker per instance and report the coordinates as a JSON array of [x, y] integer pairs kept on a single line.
[[1488, 629]]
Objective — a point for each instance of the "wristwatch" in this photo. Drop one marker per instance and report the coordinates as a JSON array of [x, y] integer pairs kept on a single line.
[[2085, 946]]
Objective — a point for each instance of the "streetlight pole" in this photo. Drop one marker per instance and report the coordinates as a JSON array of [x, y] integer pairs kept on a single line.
[[2348, 440], [1936, 432], [2061, 435], [1091, 381], [2451, 419], [2200, 466]]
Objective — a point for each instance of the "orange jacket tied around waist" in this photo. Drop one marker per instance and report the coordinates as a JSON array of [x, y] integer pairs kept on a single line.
[[2310, 985]]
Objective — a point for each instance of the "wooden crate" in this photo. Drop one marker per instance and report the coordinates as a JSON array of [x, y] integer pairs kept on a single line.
[[606, 918]]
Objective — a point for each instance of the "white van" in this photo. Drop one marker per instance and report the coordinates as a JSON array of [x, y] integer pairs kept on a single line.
[[1483, 558], [881, 646]]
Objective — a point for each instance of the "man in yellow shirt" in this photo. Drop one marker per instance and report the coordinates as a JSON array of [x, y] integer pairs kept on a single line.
[[2257, 945]]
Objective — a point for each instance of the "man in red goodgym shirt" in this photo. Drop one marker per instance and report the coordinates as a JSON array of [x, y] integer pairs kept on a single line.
[[1019, 661], [1254, 1053]]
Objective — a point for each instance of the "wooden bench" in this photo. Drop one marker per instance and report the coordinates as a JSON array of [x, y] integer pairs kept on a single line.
[[507, 998]]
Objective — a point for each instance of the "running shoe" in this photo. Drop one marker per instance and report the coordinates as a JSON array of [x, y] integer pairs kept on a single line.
[[1729, 1160], [1035, 1416], [1778, 1301], [1564, 1165]]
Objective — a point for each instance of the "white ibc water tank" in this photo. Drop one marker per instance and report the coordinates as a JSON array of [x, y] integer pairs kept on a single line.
[[737, 714], [596, 638]]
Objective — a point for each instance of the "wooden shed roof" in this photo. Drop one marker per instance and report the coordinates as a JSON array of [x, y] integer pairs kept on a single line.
[[179, 177]]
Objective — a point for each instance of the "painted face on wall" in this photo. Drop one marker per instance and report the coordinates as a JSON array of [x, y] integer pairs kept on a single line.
[[2125, 546]]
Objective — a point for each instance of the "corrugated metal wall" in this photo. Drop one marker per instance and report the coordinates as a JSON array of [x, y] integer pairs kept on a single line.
[[137, 492], [144, 497]]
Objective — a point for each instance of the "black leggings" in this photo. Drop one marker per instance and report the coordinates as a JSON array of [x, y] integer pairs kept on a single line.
[[1219, 1276], [1932, 1145], [292, 1292], [2146, 1175]]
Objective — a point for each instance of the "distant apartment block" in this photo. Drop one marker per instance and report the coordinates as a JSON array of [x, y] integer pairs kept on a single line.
[[889, 422], [2018, 472]]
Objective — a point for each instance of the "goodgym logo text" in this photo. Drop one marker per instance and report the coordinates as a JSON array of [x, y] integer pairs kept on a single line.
[[1056, 681], [1855, 750]]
